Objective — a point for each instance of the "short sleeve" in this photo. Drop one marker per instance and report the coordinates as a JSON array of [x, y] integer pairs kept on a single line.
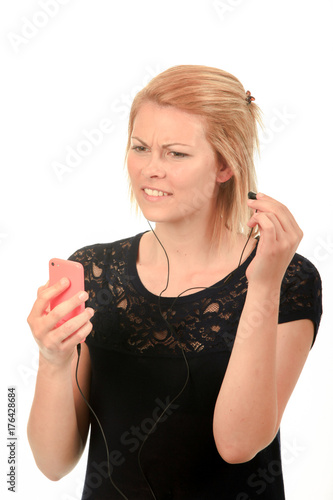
[[84, 255], [301, 293], [89, 256]]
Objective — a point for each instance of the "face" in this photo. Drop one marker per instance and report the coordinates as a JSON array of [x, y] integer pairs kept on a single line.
[[172, 167]]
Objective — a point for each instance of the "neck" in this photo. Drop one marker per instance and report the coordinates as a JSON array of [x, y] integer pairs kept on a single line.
[[184, 246]]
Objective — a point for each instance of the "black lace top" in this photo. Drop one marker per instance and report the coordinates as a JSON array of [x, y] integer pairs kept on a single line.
[[138, 368]]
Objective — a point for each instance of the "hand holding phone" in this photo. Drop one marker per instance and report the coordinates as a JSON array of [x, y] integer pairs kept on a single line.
[[58, 319]]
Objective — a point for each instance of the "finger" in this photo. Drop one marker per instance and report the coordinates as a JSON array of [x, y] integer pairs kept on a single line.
[[46, 293], [78, 337], [57, 340], [280, 233], [41, 288], [264, 203], [269, 227], [288, 236], [73, 326], [267, 204], [61, 310]]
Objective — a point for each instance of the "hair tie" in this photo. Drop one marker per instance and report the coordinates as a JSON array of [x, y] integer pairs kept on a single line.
[[249, 97]]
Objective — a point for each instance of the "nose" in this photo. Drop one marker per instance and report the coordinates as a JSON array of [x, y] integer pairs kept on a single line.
[[154, 168]]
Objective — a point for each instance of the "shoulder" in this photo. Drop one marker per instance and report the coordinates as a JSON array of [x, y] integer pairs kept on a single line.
[[100, 252], [301, 272], [301, 292]]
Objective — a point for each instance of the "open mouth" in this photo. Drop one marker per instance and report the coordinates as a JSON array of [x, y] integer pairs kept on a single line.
[[155, 192]]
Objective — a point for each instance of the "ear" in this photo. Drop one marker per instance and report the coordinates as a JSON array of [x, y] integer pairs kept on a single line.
[[224, 173]]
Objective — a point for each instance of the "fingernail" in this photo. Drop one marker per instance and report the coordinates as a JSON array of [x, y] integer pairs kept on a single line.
[[83, 296], [64, 281], [260, 195]]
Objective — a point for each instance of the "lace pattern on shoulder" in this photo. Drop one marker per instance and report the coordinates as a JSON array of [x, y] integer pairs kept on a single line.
[[301, 292]]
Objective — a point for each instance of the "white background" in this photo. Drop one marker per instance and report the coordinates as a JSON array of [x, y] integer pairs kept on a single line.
[[65, 71]]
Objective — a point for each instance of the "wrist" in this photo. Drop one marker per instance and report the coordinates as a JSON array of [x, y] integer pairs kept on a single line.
[[268, 286], [51, 368], [265, 292]]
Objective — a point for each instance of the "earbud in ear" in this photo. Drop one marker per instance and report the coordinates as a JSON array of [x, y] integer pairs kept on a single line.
[[251, 195]]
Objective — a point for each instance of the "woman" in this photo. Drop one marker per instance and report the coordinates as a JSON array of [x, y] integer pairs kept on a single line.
[[200, 330]]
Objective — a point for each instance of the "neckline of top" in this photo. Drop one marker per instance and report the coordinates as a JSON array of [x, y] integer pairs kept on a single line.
[[202, 292]]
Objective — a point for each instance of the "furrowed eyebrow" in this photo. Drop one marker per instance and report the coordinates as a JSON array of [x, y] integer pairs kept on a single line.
[[164, 145]]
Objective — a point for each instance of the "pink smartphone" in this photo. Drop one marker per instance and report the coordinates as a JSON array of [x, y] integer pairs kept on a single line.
[[74, 271]]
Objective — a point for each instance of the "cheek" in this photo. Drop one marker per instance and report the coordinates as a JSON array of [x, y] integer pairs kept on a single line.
[[203, 183]]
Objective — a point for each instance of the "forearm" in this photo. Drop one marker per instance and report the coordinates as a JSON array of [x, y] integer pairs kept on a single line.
[[246, 409], [52, 428]]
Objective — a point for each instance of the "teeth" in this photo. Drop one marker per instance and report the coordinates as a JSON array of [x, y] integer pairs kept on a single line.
[[154, 192]]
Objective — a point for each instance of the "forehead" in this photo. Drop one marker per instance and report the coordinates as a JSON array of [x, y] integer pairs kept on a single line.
[[168, 124]]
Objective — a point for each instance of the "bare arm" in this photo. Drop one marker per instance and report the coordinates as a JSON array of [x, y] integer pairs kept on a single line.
[[264, 367], [267, 358], [59, 420]]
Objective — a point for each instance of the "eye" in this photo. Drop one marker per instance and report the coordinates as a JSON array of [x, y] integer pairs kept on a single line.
[[139, 149], [175, 154]]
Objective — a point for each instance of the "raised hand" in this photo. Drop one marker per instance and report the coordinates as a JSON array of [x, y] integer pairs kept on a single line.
[[280, 236]]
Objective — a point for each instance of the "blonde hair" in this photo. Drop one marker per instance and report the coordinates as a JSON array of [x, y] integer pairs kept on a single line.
[[231, 129]]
